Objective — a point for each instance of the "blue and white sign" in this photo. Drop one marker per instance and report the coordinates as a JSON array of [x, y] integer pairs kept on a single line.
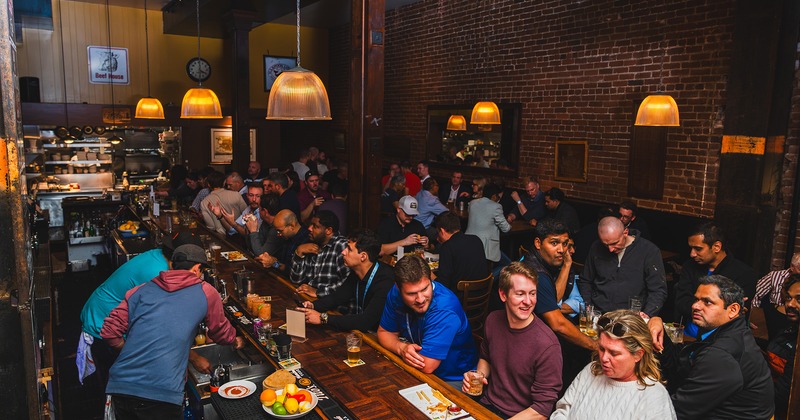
[[108, 65]]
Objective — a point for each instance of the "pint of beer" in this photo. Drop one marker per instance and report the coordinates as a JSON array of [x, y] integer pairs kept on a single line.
[[353, 347]]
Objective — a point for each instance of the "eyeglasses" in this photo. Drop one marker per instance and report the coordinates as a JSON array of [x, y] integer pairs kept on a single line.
[[616, 328]]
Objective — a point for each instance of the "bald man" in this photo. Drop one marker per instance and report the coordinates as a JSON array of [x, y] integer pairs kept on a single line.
[[622, 265]]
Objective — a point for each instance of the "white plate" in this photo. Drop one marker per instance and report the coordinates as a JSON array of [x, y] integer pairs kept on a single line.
[[314, 402], [226, 255], [416, 396], [224, 390]]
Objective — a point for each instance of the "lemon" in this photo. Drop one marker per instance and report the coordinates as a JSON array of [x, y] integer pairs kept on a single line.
[[291, 405], [281, 398], [290, 389], [305, 406], [279, 409]]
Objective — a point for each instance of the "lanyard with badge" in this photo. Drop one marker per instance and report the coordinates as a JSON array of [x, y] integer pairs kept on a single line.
[[359, 309]]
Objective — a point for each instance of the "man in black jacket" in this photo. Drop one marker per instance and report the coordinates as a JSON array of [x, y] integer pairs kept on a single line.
[[620, 266], [364, 291], [560, 210], [782, 348], [708, 255], [456, 190], [461, 256], [723, 375]]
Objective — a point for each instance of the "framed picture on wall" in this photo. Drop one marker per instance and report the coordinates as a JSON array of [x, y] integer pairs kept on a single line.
[[275, 65], [222, 145], [572, 157]]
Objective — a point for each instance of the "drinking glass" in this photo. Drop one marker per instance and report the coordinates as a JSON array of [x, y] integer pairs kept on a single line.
[[583, 321], [353, 347], [475, 383], [635, 304]]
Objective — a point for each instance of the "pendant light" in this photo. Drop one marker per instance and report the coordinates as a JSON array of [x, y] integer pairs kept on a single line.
[[485, 113], [457, 122], [115, 139], [69, 139], [199, 102], [658, 109], [148, 107], [298, 94]]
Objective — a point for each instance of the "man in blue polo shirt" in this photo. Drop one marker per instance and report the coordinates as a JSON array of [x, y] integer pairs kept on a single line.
[[424, 324]]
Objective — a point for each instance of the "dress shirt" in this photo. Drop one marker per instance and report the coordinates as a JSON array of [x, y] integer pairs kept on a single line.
[[429, 207], [771, 284]]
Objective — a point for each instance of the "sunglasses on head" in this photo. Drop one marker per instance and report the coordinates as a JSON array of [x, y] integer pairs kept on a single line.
[[615, 328]]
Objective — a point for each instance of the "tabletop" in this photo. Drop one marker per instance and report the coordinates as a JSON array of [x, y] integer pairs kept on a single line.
[[369, 391]]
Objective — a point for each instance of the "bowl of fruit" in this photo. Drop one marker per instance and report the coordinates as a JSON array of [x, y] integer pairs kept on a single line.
[[288, 403]]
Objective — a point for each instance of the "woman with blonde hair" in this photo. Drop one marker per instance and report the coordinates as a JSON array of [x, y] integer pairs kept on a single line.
[[623, 379]]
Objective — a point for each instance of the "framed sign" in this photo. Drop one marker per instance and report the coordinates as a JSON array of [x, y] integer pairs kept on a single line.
[[572, 158], [275, 65], [222, 145], [108, 65]]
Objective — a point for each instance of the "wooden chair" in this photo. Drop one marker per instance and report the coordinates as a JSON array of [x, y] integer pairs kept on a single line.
[[522, 252], [474, 296]]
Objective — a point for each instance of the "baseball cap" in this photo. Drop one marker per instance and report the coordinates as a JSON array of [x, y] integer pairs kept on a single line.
[[181, 238], [190, 253], [309, 174], [409, 205]]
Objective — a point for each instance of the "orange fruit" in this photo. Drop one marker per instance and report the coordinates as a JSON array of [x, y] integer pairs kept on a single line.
[[268, 397], [306, 395]]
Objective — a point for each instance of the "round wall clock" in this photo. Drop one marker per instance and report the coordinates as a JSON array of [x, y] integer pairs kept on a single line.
[[198, 69]]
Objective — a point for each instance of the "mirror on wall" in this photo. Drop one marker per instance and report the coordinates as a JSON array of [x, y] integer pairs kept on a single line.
[[493, 148]]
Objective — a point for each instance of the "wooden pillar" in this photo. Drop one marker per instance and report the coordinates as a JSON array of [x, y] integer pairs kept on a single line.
[[238, 23], [366, 126], [756, 122], [20, 382]]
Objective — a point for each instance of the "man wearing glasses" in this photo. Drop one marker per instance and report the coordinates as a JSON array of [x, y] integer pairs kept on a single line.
[[366, 288], [293, 235]]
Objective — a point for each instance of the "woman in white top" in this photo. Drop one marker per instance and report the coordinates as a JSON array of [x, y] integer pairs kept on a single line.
[[622, 381]]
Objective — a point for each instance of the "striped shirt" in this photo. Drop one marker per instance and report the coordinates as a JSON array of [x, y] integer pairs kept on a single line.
[[772, 285]]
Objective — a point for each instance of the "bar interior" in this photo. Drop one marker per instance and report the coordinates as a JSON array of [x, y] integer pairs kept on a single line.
[[376, 209]]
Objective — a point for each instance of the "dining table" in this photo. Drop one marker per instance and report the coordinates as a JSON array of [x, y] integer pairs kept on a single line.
[[368, 391]]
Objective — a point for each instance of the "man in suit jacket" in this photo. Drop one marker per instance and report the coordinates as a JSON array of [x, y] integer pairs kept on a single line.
[[486, 221], [456, 190], [461, 256]]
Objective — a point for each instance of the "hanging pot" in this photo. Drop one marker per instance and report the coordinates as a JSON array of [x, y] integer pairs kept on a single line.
[[76, 132], [61, 132], [88, 130]]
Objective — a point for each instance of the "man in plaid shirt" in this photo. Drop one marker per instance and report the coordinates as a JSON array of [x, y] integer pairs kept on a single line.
[[318, 266]]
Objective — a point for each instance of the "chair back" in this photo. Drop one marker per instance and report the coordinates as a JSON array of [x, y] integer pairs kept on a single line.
[[474, 296]]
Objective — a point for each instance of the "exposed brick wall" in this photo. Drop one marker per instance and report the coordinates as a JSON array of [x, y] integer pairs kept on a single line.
[[570, 65], [339, 86], [788, 178]]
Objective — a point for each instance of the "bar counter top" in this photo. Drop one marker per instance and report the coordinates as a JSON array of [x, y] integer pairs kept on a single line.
[[369, 391]]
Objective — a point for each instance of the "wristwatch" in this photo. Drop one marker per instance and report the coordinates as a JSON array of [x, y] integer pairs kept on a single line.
[[323, 317], [519, 201]]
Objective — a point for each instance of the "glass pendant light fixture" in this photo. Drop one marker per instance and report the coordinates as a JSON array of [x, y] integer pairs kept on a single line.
[[69, 138], [658, 109], [298, 94], [457, 122], [199, 102], [485, 113], [148, 107]]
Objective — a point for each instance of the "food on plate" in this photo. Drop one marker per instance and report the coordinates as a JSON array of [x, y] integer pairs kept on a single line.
[[291, 405], [279, 409], [279, 380], [129, 225], [302, 396], [438, 408], [235, 255], [236, 391], [305, 406]]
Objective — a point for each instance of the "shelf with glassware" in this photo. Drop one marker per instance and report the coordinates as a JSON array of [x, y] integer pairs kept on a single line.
[[77, 158]]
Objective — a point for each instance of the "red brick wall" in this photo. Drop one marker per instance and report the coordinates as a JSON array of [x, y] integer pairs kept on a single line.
[[576, 69]]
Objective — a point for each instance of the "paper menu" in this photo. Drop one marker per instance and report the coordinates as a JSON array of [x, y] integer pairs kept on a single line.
[[296, 323]]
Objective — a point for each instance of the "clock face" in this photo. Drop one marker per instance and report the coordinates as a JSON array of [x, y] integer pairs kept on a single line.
[[198, 69]]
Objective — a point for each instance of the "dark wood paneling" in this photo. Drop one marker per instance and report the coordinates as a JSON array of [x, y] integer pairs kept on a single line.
[[647, 162]]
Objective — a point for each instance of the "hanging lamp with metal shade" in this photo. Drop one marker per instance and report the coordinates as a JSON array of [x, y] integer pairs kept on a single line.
[[457, 122], [115, 139], [485, 113], [199, 102], [148, 107], [658, 109], [298, 94]]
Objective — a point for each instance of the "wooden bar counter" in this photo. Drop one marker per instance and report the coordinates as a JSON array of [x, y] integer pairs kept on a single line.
[[369, 391]]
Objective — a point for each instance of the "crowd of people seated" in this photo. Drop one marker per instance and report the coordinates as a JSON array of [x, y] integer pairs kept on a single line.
[[534, 359]]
